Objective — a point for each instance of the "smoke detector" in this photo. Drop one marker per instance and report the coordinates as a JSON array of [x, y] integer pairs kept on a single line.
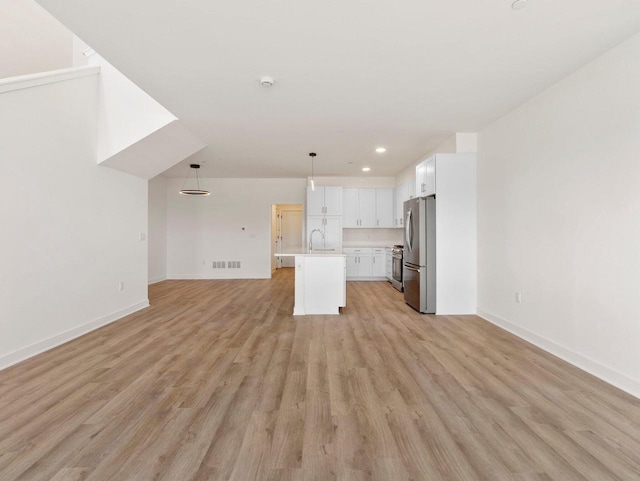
[[266, 81], [519, 4]]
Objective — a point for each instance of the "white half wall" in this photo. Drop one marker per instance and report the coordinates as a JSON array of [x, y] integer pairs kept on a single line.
[[559, 218], [157, 229], [136, 134], [70, 229], [232, 224]]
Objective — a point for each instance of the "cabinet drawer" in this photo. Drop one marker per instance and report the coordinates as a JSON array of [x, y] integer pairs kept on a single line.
[[356, 250]]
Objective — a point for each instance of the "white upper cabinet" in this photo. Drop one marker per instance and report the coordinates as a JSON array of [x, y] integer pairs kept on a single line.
[[315, 201], [411, 188], [430, 184], [401, 197], [404, 192], [426, 177], [367, 208], [350, 208], [325, 201], [421, 178], [333, 201], [384, 207]]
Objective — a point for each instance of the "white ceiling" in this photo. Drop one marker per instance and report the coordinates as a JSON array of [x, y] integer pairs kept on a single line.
[[350, 75], [31, 41]]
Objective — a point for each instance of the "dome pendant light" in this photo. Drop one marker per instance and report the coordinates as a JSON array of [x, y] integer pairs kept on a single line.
[[313, 156], [197, 191]]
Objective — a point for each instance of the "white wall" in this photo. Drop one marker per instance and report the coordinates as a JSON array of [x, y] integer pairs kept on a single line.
[[203, 229], [559, 218], [70, 229], [157, 229], [31, 40]]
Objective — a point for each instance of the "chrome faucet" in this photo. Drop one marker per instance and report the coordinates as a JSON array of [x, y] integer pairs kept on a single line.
[[311, 238]]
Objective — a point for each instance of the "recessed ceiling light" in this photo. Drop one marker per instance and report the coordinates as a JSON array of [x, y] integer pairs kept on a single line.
[[519, 4], [381, 150], [366, 169], [266, 81]]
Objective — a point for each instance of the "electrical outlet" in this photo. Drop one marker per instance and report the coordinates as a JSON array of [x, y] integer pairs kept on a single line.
[[518, 297], [143, 236]]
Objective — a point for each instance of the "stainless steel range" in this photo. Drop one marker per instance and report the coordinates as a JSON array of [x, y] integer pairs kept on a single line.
[[396, 266]]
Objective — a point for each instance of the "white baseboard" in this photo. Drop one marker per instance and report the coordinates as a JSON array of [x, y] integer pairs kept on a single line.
[[66, 336], [155, 280], [367, 279], [607, 374]]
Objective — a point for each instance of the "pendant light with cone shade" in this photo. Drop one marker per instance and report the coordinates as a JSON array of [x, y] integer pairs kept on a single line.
[[198, 190], [311, 183]]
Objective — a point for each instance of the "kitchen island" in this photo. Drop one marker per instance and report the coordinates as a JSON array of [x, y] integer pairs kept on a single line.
[[320, 282]]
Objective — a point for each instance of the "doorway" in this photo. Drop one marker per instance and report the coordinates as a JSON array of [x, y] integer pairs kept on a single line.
[[286, 233]]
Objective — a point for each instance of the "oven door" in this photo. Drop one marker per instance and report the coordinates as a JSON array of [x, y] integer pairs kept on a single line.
[[396, 271]]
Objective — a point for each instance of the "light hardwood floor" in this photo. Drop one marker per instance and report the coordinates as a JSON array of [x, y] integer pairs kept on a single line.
[[218, 381]]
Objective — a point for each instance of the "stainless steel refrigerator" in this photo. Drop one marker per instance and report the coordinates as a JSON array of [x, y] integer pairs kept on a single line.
[[419, 272]]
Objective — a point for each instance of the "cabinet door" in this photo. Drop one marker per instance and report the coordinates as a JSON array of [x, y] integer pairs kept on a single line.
[[421, 178], [384, 207], [312, 224], [397, 214], [333, 233], [388, 264], [365, 265], [349, 208], [411, 189], [378, 267], [352, 266], [315, 201], [367, 207], [333, 200], [430, 177]]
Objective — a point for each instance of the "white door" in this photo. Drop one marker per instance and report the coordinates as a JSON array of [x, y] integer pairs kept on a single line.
[[290, 234]]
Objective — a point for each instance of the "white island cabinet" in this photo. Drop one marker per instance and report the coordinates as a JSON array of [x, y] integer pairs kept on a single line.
[[320, 283]]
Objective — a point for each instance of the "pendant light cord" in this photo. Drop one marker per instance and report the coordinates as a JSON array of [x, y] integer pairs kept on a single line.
[[186, 178]]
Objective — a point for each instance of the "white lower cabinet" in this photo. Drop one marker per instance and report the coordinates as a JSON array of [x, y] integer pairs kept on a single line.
[[378, 266], [388, 264], [365, 262]]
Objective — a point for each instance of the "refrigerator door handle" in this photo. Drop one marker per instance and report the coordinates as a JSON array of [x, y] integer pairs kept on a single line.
[[411, 268], [409, 231]]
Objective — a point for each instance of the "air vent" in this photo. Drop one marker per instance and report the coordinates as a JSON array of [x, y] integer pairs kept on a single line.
[[234, 264], [219, 265]]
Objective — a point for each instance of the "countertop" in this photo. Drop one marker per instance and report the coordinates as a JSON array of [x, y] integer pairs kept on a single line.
[[314, 253]]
